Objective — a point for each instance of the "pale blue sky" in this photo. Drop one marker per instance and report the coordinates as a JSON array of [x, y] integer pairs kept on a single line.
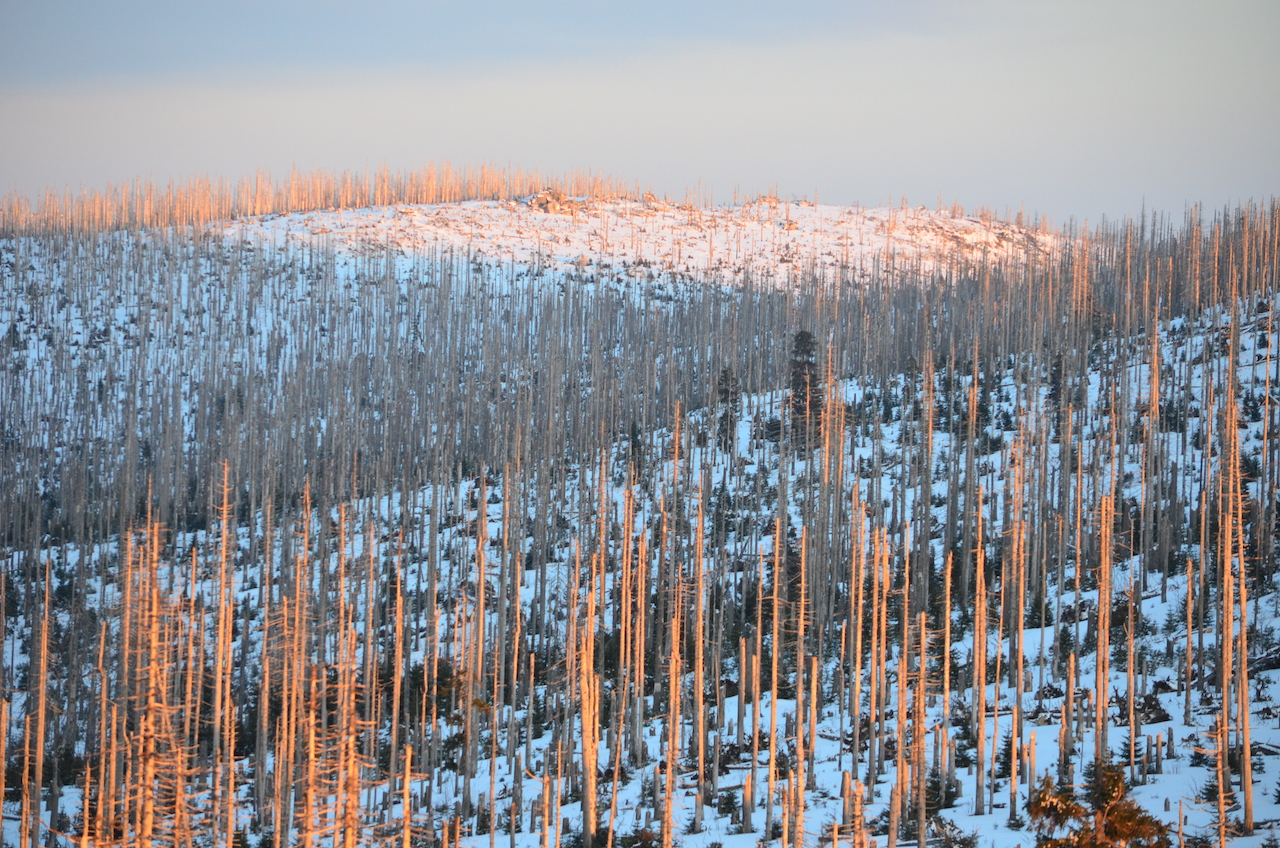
[[1066, 108]]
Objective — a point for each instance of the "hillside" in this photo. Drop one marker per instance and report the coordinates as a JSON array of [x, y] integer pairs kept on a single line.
[[423, 524]]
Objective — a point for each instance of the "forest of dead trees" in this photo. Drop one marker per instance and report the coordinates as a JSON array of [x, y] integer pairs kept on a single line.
[[394, 551]]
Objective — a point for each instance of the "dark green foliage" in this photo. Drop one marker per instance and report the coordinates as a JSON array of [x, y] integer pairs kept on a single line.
[[640, 838], [729, 395], [1096, 789], [807, 394], [939, 794], [962, 722], [1004, 759], [1066, 640], [989, 443], [1108, 818], [953, 837], [1089, 644], [1173, 418], [539, 716], [1209, 792], [635, 446], [1039, 613], [772, 430]]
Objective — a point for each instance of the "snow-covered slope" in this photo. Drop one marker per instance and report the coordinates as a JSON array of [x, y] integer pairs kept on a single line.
[[743, 470], [291, 632], [769, 240]]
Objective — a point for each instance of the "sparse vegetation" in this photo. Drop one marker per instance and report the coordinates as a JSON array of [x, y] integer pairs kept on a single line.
[[356, 546]]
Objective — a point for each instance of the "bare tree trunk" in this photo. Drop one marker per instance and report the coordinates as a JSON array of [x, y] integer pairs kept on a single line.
[[979, 666], [1103, 678]]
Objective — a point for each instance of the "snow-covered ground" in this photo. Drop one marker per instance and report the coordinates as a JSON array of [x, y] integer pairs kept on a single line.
[[766, 239], [614, 242], [1177, 788]]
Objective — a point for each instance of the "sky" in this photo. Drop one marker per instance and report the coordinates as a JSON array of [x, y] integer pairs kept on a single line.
[[1078, 108]]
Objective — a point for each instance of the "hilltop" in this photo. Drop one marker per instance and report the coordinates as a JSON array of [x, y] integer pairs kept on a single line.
[[766, 239]]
